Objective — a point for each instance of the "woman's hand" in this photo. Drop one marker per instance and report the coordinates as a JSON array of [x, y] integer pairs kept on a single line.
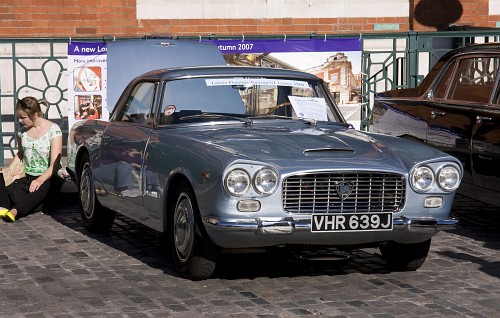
[[36, 184]]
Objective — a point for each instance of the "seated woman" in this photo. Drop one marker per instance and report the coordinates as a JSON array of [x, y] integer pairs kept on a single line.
[[40, 148]]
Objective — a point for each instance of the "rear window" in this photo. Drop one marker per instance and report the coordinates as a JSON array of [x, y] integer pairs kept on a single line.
[[469, 79]]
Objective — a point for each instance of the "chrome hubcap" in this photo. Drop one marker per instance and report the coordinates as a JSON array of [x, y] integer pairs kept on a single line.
[[85, 194], [183, 227]]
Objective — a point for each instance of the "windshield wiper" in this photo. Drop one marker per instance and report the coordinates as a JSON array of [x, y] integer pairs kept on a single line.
[[247, 121], [310, 121], [271, 117]]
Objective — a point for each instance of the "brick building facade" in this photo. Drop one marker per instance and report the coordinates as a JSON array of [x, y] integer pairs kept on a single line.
[[91, 18]]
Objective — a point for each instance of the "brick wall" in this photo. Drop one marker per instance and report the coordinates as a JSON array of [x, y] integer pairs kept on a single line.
[[432, 15], [91, 18]]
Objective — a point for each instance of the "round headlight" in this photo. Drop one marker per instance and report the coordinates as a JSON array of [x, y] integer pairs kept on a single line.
[[237, 182], [266, 181], [422, 179], [449, 178]]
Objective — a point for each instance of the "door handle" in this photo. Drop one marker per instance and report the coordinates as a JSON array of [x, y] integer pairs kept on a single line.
[[483, 118], [434, 114], [485, 158]]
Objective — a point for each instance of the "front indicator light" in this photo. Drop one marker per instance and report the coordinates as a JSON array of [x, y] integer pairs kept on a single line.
[[248, 206], [433, 202]]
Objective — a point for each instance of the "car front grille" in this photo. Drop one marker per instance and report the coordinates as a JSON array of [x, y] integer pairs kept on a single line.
[[344, 192]]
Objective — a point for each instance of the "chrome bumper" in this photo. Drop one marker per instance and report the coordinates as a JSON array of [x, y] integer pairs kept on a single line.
[[290, 225]]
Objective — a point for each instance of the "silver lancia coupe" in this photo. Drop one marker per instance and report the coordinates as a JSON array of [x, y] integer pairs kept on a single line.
[[226, 157]]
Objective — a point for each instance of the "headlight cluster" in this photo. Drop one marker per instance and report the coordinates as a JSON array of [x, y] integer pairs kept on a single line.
[[446, 177], [239, 181]]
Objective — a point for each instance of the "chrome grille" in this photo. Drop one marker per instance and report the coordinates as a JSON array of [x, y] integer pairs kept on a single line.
[[362, 191]]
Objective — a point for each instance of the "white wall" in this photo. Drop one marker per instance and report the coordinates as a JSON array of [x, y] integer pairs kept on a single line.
[[494, 7], [269, 9]]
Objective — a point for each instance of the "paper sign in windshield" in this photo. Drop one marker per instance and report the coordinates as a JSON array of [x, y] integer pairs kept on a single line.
[[255, 81], [309, 107]]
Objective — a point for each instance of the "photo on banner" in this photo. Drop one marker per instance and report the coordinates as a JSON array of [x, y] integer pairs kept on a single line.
[[336, 61], [87, 89]]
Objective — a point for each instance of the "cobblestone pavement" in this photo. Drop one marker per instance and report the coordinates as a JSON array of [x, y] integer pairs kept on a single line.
[[50, 266]]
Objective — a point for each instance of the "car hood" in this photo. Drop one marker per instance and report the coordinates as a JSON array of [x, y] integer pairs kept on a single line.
[[305, 144]]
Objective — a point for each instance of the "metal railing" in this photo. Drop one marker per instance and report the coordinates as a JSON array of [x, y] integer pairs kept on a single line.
[[31, 67], [37, 67], [407, 59]]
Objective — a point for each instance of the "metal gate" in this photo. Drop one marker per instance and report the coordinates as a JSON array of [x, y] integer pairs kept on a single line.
[[402, 60]]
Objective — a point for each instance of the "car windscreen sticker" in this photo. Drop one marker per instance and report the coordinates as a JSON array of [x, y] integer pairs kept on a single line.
[[309, 107], [169, 110], [255, 81]]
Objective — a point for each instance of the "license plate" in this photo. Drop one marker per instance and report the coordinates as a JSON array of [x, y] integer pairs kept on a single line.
[[351, 222]]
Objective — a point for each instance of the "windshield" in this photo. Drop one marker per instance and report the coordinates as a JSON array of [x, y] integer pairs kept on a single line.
[[199, 99]]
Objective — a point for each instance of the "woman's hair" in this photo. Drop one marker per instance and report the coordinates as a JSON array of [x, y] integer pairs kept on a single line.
[[30, 106]]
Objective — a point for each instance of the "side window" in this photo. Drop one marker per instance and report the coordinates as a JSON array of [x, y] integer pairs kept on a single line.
[[444, 83], [138, 108], [474, 79], [496, 99]]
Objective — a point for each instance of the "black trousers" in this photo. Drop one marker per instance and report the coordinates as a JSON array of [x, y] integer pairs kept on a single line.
[[17, 195]]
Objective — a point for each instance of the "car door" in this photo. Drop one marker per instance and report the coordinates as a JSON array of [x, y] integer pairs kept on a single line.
[[486, 148], [450, 129], [123, 151]]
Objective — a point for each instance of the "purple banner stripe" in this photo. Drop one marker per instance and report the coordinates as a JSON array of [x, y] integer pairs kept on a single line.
[[284, 45], [86, 48]]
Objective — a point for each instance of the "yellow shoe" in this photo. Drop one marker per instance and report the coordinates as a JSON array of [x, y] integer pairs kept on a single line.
[[8, 217], [3, 211]]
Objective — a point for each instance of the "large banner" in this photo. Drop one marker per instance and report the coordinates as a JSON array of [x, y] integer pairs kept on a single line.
[[87, 89], [337, 61]]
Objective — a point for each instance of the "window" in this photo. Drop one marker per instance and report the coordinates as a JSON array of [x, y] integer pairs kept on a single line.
[[139, 104], [444, 83], [474, 79], [220, 98]]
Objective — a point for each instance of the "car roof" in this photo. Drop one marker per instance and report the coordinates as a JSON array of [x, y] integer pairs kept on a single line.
[[493, 47], [226, 70]]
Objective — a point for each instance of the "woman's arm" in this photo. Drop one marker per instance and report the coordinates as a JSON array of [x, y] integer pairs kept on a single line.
[[55, 159], [17, 158]]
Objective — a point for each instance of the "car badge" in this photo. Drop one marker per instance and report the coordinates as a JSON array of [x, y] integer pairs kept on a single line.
[[344, 189]]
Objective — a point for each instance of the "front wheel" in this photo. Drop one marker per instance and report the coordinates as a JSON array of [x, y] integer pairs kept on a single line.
[[405, 257], [194, 254], [95, 217]]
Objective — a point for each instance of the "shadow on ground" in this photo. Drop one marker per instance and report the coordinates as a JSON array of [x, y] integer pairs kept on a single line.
[[148, 246]]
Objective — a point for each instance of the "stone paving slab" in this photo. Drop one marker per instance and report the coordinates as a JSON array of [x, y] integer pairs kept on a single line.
[[50, 266]]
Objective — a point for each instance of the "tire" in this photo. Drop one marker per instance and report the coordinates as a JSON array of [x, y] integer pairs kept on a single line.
[[194, 254], [405, 257], [95, 217]]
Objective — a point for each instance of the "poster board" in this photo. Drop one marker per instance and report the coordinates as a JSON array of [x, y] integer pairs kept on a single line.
[[335, 60], [87, 81]]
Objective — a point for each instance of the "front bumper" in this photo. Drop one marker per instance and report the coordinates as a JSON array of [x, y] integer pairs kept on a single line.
[[236, 233], [290, 226]]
